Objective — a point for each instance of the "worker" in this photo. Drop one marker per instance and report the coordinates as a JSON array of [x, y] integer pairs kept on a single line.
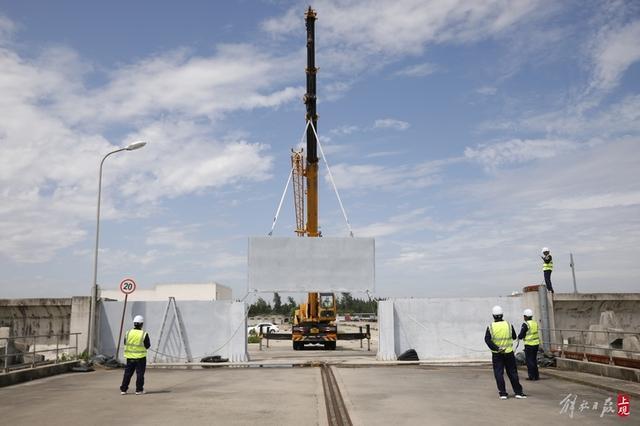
[[529, 333], [499, 338], [136, 343], [547, 267]]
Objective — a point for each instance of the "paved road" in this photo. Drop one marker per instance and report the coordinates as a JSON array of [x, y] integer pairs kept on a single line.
[[404, 395]]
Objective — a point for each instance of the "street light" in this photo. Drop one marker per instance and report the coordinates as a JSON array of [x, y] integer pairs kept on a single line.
[[94, 290]]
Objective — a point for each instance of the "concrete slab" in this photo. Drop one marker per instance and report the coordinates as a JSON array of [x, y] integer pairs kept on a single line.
[[460, 395], [266, 396], [407, 395]]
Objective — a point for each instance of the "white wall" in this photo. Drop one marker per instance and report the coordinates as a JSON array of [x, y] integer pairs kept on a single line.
[[211, 328], [292, 264], [162, 292], [443, 329]]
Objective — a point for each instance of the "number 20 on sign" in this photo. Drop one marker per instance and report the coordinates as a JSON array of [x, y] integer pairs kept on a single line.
[[127, 286]]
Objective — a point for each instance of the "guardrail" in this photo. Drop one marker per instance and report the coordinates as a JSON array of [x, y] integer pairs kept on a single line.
[[581, 351], [10, 341]]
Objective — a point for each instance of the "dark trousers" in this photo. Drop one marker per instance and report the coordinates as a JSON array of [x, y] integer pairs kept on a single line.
[[547, 280], [508, 362], [531, 355], [137, 365]]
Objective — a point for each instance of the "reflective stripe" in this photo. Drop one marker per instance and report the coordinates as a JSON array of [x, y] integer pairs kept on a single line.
[[532, 338], [134, 344], [501, 335]]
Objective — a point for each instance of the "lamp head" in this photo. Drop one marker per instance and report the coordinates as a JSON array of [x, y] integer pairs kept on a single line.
[[135, 145]]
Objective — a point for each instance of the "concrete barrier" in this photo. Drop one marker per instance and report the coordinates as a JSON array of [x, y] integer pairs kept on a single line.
[[28, 374], [210, 328], [442, 329]]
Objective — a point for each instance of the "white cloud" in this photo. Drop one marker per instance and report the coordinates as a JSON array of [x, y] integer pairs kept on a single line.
[[172, 237], [596, 201], [54, 124], [417, 70], [586, 202], [391, 123], [371, 177], [411, 221], [345, 130], [614, 51], [516, 151], [406, 26], [487, 90]]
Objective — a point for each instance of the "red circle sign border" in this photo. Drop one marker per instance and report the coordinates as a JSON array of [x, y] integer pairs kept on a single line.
[[127, 280]]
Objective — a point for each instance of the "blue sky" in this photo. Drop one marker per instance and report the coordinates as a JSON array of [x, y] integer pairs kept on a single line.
[[463, 136]]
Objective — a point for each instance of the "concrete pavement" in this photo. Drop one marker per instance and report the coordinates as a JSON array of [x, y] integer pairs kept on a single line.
[[403, 395]]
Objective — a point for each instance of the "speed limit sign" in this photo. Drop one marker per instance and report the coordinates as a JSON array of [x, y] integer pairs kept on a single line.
[[127, 286]]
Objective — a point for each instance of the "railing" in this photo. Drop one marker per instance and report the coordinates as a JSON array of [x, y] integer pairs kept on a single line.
[[32, 349], [581, 351]]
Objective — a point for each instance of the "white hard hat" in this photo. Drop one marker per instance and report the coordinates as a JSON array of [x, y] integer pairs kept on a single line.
[[497, 310], [545, 249], [528, 313], [138, 319]]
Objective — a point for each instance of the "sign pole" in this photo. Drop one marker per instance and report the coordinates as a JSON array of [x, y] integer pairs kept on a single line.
[[124, 309], [127, 286]]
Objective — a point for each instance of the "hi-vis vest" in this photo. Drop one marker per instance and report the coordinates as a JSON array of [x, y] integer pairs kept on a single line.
[[501, 335], [532, 338], [134, 346], [547, 266]]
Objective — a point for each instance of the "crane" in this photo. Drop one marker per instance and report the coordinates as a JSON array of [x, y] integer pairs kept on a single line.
[[314, 321]]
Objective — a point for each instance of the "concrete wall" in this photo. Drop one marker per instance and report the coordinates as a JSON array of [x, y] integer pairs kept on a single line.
[[29, 317], [579, 311], [442, 329], [162, 292], [210, 328], [311, 264]]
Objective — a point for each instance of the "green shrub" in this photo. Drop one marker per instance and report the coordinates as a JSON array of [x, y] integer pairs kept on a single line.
[[254, 338]]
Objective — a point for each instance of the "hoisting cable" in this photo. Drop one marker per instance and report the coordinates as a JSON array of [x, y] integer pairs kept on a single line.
[[344, 213], [275, 218]]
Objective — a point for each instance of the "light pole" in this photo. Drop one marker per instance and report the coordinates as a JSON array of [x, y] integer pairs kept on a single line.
[[94, 288]]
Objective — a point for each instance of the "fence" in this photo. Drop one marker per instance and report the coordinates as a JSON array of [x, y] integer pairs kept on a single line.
[[579, 345], [11, 352]]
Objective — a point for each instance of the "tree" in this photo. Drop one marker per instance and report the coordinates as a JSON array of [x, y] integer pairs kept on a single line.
[[260, 307], [277, 303]]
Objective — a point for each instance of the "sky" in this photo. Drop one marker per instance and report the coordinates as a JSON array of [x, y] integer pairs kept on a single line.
[[463, 136]]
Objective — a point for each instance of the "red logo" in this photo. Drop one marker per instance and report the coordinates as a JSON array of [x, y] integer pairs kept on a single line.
[[623, 405]]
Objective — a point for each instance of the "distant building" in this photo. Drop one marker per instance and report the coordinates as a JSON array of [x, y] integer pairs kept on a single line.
[[162, 292]]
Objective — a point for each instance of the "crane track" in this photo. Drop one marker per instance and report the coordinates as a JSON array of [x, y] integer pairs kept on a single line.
[[337, 414]]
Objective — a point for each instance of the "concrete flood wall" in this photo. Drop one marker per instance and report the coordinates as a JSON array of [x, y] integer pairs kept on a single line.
[[46, 317], [210, 328], [604, 315], [441, 329]]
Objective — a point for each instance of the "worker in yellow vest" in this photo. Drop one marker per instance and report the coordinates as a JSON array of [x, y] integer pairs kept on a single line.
[[499, 338], [136, 343], [547, 268], [529, 333]]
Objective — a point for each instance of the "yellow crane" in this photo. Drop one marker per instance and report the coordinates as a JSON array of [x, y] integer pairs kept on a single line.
[[315, 320]]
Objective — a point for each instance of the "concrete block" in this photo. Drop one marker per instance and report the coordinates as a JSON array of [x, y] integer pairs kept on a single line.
[[28, 358], [631, 343], [311, 264], [79, 323]]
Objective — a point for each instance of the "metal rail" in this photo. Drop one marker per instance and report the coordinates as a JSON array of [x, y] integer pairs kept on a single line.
[[32, 350], [584, 352], [337, 414]]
